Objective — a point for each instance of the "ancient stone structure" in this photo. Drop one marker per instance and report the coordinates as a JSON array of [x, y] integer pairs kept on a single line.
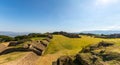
[[13, 43], [36, 46], [33, 48]]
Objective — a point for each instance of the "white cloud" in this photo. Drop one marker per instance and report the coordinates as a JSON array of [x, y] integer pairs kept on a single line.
[[105, 2], [114, 27]]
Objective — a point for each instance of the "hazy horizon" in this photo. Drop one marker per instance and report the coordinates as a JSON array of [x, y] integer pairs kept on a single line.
[[59, 15]]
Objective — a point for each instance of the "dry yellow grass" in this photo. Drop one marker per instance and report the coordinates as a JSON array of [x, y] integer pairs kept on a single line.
[[61, 45], [37, 38], [73, 45], [11, 56]]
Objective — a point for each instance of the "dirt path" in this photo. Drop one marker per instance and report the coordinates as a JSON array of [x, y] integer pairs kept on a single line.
[[5, 43], [3, 47], [49, 58], [28, 59]]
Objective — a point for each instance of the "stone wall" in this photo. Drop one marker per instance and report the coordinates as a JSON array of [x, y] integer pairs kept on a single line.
[[36, 46]]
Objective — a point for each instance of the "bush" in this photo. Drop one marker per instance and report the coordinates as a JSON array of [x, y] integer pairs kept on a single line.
[[24, 37], [4, 38], [36, 35], [70, 35]]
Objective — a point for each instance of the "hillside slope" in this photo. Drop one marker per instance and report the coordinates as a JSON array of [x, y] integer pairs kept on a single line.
[[103, 53], [61, 45]]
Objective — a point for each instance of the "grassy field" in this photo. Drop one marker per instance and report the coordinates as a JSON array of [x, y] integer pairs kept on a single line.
[[37, 38], [11, 56], [73, 45], [61, 45]]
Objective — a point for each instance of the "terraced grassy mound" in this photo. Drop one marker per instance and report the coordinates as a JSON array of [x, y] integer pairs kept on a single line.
[[27, 42], [61, 45], [16, 56]]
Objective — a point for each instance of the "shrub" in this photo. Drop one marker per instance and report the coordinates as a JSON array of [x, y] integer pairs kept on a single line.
[[4, 38]]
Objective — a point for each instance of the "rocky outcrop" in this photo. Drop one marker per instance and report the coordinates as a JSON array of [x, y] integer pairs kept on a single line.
[[103, 53], [64, 60], [89, 59]]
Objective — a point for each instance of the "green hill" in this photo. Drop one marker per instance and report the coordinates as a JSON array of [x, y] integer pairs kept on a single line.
[[61, 45]]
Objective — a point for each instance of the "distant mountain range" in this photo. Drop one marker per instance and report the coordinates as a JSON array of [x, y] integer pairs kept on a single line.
[[102, 31], [12, 34]]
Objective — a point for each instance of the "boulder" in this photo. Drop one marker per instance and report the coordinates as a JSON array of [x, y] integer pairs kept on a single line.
[[64, 60], [88, 59], [105, 44], [100, 45]]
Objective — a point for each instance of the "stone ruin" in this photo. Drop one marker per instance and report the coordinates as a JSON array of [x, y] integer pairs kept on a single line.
[[44, 42], [13, 43], [36, 46]]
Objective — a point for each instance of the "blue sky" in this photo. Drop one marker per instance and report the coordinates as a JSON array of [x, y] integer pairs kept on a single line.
[[57, 15]]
